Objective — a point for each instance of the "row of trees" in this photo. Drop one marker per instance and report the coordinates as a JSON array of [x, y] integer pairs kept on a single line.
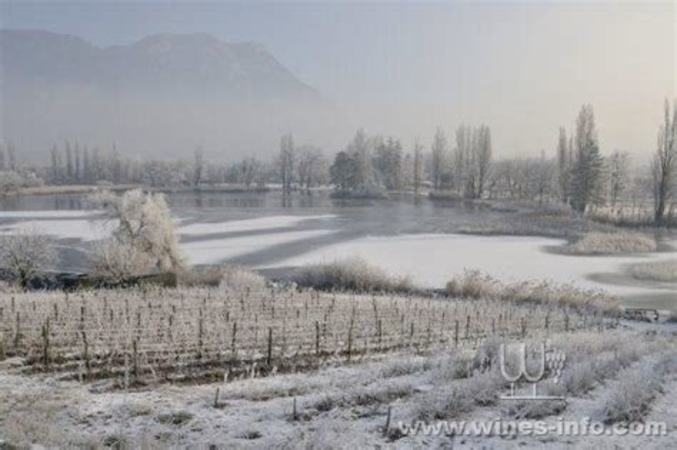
[[578, 174]]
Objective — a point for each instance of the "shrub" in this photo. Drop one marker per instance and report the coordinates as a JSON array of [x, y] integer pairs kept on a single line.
[[239, 278], [353, 274], [655, 271], [472, 284], [25, 253], [597, 243], [229, 277], [636, 389], [116, 261], [210, 276]]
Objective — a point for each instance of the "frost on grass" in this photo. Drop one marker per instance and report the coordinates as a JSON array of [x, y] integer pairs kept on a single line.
[[655, 271], [476, 284], [597, 243], [352, 274], [228, 277], [637, 388]]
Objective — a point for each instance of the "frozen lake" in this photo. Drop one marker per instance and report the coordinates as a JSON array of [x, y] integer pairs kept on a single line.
[[266, 235]]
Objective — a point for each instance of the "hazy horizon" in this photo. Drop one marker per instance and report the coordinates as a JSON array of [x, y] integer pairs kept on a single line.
[[404, 69]]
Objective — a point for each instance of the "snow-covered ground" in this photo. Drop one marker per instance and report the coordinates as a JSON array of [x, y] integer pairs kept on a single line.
[[432, 259], [212, 251], [340, 407]]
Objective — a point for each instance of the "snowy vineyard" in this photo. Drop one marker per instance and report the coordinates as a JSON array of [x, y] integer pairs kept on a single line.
[[143, 336]]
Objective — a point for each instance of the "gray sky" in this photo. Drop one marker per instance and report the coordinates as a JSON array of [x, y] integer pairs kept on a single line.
[[524, 68]]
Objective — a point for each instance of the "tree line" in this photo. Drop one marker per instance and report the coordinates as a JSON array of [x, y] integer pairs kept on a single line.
[[577, 173]]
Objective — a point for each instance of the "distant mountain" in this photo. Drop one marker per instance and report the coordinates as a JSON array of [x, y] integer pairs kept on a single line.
[[164, 92]]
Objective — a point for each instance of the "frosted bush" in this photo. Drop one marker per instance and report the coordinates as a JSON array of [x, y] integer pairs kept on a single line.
[[353, 274], [656, 271], [26, 253], [238, 278], [118, 261]]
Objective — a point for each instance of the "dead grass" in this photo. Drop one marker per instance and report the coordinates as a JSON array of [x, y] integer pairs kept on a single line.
[[352, 274], [476, 284], [597, 243]]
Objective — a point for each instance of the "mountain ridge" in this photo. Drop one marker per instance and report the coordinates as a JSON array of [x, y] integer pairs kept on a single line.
[[161, 95]]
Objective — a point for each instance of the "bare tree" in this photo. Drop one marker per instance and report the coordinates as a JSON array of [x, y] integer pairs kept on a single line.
[[564, 162], [11, 156], [439, 149], [312, 167], [418, 166], [287, 162], [198, 166], [483, 159], [26, 253], [663, 165]]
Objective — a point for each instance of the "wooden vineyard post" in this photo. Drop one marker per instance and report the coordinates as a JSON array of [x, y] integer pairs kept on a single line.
[[269, 357], [85, 354], [386, 428], [135, 359], [467, 327], [17, 334], [233, 340], [317, 339], [566, 322], [456, 327], [523, 326], [45, 345], [350, 339], [493, 326], [200, 341], [379, 326]]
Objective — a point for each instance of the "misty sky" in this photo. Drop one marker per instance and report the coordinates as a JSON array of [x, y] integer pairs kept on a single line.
[[524, 68]]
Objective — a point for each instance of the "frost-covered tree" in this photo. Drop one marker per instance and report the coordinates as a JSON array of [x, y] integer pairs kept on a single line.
[[388, 162], [418, 166], [198, 166], [144, 224], [439, 156], [312, 167], [618, 175], [359, 150], [663, 165], [342, 172], [588, 164], [25, 253], [564, 163], [483, 154], [287, 162]]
